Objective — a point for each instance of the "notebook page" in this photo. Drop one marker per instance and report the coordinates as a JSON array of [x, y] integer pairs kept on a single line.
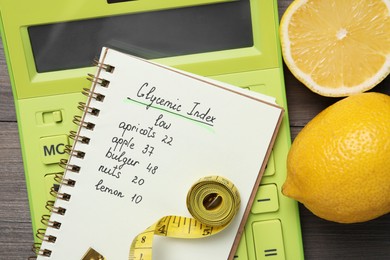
[[159, 131]]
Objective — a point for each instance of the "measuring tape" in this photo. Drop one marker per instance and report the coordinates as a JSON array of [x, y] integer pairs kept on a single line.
[[212, 201]]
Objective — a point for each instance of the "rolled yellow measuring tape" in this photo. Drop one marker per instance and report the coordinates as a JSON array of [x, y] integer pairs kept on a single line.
[[212, 201]]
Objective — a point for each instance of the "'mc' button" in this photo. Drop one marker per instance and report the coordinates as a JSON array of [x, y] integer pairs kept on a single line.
[[53, 148]]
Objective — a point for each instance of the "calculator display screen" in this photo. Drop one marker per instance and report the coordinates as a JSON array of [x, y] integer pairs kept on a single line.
[[148, 35]]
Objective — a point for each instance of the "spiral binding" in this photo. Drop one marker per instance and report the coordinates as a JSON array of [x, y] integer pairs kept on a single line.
[[70, 167], [90, 110], [77, 138], [45, 220], [64, 163], [59, 195], [76, 153], [97, 96], [97, 80], [106, 67], [78, 120]]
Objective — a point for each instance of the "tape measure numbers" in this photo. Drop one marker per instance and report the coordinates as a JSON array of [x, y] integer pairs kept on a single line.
[[213, 202]]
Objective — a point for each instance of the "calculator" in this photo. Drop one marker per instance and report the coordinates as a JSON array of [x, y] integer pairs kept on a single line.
[[50, 46]]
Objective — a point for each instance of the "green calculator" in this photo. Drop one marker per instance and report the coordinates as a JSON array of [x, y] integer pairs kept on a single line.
[[50, 45]]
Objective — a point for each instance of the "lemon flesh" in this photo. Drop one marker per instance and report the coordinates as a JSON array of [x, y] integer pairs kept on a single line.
[[337, 47], [338, 165]]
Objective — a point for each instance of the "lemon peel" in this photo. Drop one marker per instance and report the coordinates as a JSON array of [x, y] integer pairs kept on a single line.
[[338, 164]]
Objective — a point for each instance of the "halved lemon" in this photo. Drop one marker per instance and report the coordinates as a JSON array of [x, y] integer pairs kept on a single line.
[[337, 47]]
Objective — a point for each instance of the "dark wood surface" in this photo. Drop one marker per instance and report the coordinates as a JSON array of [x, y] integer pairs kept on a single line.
[[321, 239]]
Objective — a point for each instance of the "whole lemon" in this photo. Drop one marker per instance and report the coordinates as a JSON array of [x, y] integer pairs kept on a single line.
[[339, 164]]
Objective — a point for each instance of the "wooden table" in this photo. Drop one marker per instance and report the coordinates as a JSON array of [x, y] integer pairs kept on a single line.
[[321, 239]]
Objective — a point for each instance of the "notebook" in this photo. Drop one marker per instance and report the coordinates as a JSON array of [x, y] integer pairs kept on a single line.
[[147, 134]]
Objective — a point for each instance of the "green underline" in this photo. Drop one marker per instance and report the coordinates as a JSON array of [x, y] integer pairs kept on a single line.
[[128, 99]]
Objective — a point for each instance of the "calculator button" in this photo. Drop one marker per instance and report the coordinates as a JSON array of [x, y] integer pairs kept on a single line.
[[268, 239], [49, 183], [270, 168], [266, 199], [52, 117], [52, 148], [241, 253], [57, 116]]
